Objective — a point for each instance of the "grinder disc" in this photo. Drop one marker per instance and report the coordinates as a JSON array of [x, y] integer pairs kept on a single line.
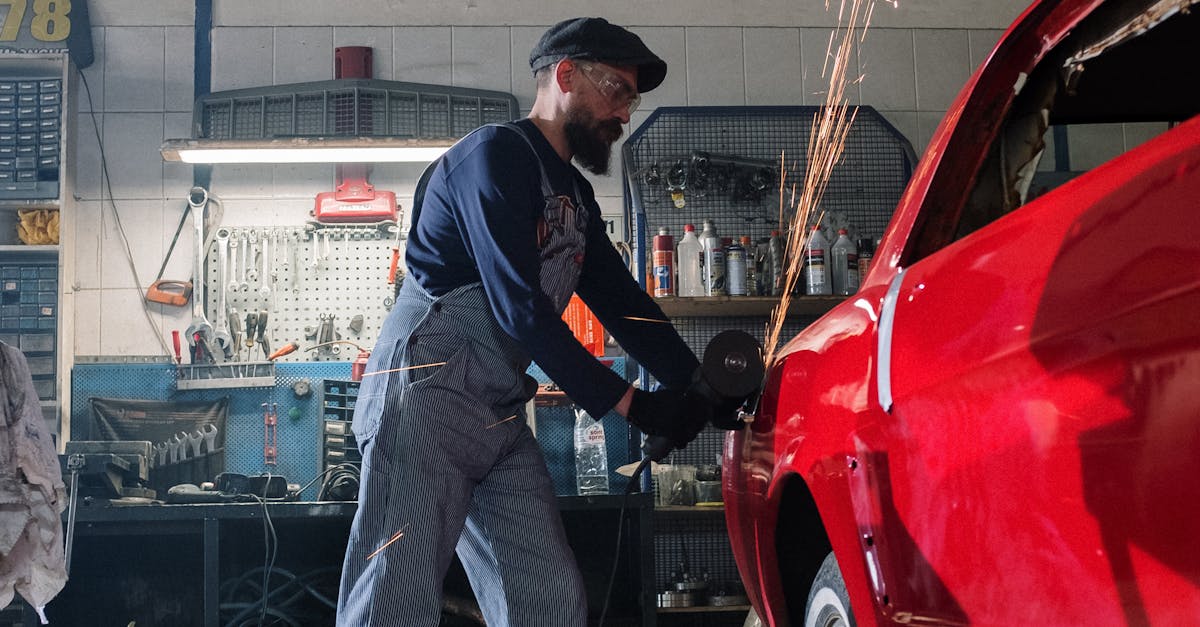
[[733, 364]]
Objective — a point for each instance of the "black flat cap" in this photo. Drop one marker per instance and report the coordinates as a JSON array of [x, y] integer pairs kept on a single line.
[[595, 39]]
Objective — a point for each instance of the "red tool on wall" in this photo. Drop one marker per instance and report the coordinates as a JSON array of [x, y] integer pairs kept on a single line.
[[270, 421], [355, 199]]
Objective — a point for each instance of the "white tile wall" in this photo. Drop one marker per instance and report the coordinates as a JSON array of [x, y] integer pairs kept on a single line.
[[133, 69], [716, 74], [889, 74], [242, 57], [774, 73], [303, 55], [915, 58], [421, 54], [88, 258], [942, 64], [479, 57], [131, 147], [178, 70], [142, 221]]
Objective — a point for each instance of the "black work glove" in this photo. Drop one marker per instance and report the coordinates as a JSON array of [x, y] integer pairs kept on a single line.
[[666, 413], [718, 411]]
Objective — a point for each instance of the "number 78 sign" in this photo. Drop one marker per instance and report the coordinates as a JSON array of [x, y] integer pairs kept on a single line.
[[44, 25]]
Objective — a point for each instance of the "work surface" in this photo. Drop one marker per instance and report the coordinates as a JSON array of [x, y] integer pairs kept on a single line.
[[181, 565]]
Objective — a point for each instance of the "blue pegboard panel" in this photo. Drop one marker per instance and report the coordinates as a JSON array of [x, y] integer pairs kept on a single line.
[[297, 432], [298, 437]]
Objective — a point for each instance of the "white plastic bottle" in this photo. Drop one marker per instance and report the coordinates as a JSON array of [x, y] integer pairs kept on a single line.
[[844, 264], [714, 261], [816, 275], [591, 455], [688, 262]]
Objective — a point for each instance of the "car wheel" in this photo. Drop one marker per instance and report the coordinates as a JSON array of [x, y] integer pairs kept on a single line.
[[828, 602]]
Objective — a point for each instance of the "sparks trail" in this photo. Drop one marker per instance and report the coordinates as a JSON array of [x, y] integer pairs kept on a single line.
[[647, 319], [500, 422], [371, 374], [399, 534], [826, 141]]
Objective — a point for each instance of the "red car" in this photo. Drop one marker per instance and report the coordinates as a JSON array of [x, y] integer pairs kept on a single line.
[[1002, 427]]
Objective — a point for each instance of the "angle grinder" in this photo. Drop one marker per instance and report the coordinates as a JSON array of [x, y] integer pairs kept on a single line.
[[730, 374]]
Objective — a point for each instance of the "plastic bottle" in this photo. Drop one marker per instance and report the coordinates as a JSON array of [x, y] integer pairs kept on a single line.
[[776, 252], [664, 263], [591, 455], [866, 252], [714, 261], [689, 261], [752, 288], [735, 268], [816, 275], [843, 265]]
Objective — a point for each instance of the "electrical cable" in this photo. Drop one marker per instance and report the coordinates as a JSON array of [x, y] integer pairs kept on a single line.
[[612, 576], [270, 550], [117, 216]]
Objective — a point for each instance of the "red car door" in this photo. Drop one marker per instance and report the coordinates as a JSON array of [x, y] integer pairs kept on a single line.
[[1039, 458]]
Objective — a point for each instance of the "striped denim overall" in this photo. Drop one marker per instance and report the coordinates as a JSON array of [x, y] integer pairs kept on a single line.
[[449, 462]]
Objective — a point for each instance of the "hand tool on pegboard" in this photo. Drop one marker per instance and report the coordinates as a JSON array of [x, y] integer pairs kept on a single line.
[[171, 292], [270, 421], [200, 331], [355, 199]]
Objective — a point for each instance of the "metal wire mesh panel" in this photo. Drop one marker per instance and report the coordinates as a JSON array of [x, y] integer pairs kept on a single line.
[[695, 544], [350, 107], [688, 164]]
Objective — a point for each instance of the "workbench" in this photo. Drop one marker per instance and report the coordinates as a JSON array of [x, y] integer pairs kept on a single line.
[[171, 564]]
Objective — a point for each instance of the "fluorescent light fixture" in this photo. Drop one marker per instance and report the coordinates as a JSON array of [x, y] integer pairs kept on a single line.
[[305, 150]]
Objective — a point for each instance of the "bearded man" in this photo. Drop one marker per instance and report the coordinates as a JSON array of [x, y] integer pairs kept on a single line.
[[504, 230]]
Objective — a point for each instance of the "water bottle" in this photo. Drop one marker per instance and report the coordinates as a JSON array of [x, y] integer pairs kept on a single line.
[[688, 260], [816, 275], [714, 261], [844, 264], [591, 456]]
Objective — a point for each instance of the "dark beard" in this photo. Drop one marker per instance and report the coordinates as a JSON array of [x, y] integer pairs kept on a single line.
[[591, 141]]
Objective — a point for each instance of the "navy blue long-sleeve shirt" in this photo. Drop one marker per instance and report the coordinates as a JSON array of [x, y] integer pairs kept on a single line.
[[479, 223]]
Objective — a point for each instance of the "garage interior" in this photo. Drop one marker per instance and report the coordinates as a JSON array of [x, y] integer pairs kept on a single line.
[[209, 487]]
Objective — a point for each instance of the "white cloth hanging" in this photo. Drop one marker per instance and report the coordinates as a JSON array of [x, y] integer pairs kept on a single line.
[[32, 494]]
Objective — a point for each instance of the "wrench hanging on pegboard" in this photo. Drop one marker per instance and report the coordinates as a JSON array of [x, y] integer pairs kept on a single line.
[[302, 277]]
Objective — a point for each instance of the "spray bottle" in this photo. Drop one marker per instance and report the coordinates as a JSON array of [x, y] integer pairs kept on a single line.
[[664, 263], [714, 261]]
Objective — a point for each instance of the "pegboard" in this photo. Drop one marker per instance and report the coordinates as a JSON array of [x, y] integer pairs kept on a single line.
[[695, 543], [724, 163], [311, 271], [297, 434]]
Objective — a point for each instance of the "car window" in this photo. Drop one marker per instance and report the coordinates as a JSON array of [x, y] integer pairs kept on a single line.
[[1118, 79]]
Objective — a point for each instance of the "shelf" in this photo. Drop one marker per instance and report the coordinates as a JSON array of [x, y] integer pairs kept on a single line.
[[675, 509], [704, 609], [730, 306], [23, 250]]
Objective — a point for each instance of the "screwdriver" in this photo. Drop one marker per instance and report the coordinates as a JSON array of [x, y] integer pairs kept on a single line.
[[286, 349], [175, 339]]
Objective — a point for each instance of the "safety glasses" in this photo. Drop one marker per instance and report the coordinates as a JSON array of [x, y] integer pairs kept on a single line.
[[612, 86]]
